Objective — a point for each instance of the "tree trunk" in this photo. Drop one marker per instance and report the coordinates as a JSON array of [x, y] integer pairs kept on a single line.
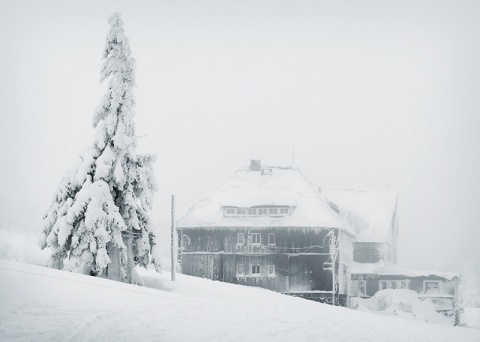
[[130, 263], [113, 269]]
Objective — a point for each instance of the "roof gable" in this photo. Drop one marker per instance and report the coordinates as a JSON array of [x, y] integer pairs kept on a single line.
[[371, 213]]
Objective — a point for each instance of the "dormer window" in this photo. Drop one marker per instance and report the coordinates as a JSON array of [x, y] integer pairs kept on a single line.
[[273, 211], [256, 211]]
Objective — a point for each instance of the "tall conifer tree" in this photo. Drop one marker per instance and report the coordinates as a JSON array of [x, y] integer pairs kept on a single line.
[[99, 213]]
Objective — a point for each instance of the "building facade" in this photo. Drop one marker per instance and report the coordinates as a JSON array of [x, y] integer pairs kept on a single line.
[[273, 228], [269, 227]]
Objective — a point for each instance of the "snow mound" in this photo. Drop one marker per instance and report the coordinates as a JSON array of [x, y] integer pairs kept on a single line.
[[401, 303]]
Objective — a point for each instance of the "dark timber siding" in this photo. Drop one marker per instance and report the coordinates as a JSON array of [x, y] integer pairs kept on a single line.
[[307, 274], [276, 282], [225, 240], [297, 256], [203, 265]]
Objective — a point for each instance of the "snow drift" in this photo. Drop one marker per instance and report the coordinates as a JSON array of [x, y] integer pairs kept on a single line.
[[401, 303]]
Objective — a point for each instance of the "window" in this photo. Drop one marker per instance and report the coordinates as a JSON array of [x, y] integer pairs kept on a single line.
[[383, 285], [240, 269], [393, 284], [256, 239], [284, 211], [431, 286], [262, 211], [359, 288], [273, 211], [240, 239], [240, 211], [252, 211], [230, 211], [255, 269], [271, 270], [271, 238]]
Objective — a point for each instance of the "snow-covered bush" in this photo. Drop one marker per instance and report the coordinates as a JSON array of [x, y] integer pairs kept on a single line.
[[99, 212]]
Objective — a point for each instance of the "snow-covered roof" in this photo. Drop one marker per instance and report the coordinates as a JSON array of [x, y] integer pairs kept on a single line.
[[382, 268], [369, 212], [271, 186]]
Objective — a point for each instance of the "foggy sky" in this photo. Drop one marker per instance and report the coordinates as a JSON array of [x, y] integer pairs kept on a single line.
[[366, 93]]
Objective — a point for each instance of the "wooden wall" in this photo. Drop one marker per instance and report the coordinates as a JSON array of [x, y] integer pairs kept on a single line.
[[207, 265], [278, 282], [297, 257], [225, 240]]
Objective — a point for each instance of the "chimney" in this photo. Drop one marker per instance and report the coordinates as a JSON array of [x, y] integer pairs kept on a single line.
[[255, 165]]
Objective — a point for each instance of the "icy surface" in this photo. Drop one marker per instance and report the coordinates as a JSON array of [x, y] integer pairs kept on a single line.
[[36, 303], [280, 187], [370, 212], [392, 269]]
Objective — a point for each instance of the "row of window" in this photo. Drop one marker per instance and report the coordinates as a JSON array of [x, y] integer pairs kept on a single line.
[[393, 284], [359, 287], [255, 270], [256, 211], [255, 239]]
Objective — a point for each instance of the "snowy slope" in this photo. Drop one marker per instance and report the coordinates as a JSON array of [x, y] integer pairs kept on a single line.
[[42, 304]]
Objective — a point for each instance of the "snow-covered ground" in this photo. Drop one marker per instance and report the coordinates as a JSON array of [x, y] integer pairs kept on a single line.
[[471, 318], [402, 303], [43, 304]]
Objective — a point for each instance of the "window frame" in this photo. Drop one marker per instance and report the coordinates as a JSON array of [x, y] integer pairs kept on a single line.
[[242, 268], [255, 267], [229, 211], [398, 284], [269, 242], [259, 235], [272, 273], [360, 282], [432, 281], [243, 239], [272, 211]]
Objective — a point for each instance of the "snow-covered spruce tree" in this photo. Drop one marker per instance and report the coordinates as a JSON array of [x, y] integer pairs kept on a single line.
[[98, 216]]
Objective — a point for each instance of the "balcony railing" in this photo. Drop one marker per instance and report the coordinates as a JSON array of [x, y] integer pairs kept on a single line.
[[269, 249]]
